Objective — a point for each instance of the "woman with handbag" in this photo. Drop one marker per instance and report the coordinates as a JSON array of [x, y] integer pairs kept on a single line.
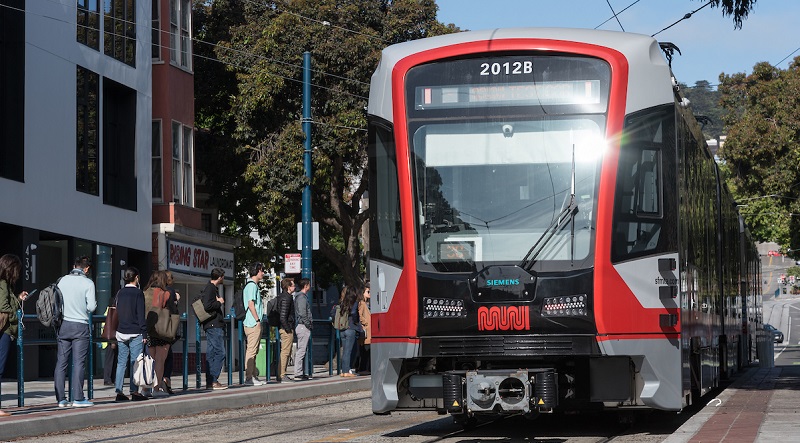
[[10, 268], [159, 345], [168, 363], [131, 332]]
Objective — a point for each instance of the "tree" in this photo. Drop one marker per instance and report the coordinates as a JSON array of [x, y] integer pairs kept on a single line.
[[263, 51], [739, 9], [762, 155]]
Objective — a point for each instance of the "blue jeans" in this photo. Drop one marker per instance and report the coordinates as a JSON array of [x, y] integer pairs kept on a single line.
[[215, 353], [127, 352], [73, 339], [350, 350], [5, 349]]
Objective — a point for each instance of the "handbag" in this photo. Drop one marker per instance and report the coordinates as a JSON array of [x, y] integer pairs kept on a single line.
[[200, 310], [161, 323], [144, 370], [111, 324]]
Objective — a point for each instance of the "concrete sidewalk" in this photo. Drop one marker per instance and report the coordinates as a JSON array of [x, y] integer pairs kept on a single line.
[[41, 414]]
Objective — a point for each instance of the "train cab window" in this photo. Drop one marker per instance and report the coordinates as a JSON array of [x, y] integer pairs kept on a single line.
[[385, 241], [639, 200]]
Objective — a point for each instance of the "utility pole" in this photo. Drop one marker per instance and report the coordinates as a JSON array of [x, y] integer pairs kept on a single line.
[[306, 203]]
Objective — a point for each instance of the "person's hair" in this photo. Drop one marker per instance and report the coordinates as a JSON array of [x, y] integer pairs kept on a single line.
[[366, 284], [10, 268], [254, 268], [170, 278], [286, 283], [82, 262], [303, 282], [158, 279], [216, 273], [350, 298], [130, 274]]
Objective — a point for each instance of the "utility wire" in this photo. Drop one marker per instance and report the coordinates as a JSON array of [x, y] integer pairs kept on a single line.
[[685, 17], [784, 59], [616, 14]]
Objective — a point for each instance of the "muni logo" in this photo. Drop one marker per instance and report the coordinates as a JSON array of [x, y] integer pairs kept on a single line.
[[504, 318]]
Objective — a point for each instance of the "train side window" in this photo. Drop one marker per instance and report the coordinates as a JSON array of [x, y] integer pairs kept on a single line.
[[639, 199], [386, 241]]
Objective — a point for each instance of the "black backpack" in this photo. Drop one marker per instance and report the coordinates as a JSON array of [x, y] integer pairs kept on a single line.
[[273, 314], [50, 306], [239, 309]]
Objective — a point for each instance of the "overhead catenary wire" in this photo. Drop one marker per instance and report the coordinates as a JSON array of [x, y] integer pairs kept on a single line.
[[687, 16], [616, 14]]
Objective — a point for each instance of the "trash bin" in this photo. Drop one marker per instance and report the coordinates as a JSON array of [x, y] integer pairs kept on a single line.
[[261, 360]]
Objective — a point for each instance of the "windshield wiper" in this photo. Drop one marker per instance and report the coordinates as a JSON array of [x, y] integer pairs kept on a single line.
[[565, 216]]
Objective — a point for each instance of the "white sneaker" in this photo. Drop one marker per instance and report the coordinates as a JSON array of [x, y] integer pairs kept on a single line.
[[253, 382]]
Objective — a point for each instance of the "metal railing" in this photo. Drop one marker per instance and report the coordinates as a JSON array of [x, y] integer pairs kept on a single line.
[[272, 333]]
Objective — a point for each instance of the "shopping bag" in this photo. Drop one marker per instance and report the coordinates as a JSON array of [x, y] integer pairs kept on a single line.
[[144, 370]]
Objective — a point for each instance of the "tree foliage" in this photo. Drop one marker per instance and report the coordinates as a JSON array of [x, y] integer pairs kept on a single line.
[[258, 110], [762, 155], [738, 9]]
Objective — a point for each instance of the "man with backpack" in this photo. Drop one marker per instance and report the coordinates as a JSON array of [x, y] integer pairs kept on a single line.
[[252, 321], [215, 334], [78, 293], [286, 310]]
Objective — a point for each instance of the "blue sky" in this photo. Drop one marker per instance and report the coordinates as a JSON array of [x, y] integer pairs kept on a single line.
[[707, 40]]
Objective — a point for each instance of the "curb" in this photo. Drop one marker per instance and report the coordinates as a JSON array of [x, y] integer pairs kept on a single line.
[[34, 421]]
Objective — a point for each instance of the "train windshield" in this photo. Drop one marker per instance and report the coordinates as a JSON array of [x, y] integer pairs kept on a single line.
[[493, 175]]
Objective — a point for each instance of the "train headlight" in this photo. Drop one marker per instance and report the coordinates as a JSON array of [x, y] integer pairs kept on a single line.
[[565, 306], [442, 308]]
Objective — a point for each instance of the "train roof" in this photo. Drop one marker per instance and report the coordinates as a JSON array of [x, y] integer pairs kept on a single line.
[[649, 77]]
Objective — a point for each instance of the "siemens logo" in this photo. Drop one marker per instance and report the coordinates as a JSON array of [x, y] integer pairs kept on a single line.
[[508, 282]]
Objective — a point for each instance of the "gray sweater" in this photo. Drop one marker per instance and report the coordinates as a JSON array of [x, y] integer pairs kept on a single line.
[[79, 296], [302, 310]]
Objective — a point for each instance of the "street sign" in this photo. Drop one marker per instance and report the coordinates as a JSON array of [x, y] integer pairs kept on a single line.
[[292, 263], [314, 236]]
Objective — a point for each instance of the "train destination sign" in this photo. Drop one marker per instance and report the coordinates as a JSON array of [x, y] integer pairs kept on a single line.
[[571, 92]]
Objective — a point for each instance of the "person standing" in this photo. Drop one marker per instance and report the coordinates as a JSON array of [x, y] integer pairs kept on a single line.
[[10, 268], [131, 332], [78, 293], [213, 303], [365, 339], [302, 316], [158, 347], [168, 363], [110, 359], [286, 310], [251, 295], [350, 335]]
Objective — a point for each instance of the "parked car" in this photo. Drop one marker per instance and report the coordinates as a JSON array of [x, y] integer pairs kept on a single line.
[[776, 334]]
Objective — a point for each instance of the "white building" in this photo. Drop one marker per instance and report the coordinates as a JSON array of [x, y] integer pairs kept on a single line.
[[75, 143]]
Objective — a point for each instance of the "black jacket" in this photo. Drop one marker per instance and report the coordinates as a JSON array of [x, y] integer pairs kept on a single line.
[[286, 309], [213, 307]]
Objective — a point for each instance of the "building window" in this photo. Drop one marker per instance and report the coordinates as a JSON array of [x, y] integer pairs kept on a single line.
[[156, 29], [182, 174], [156, 163], [87, 91], [89, 23], [176, 162], [119, 145], [12, 89], [180, 44], [188, 177], [120, 30]]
